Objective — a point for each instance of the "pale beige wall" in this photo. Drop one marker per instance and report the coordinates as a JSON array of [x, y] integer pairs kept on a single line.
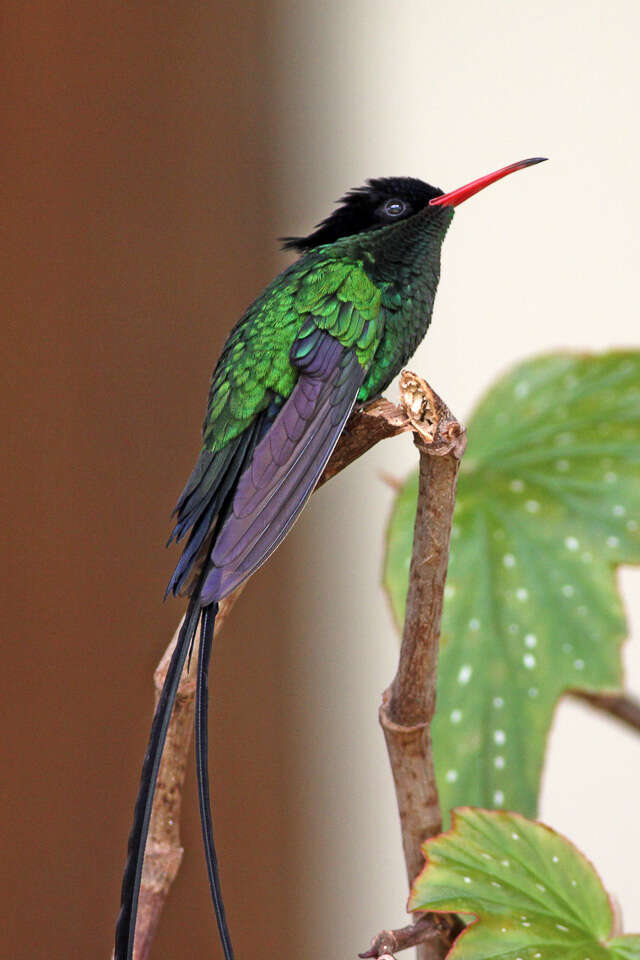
[[549, 259]]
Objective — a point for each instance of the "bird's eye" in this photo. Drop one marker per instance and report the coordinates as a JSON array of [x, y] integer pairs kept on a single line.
[[395, 207]]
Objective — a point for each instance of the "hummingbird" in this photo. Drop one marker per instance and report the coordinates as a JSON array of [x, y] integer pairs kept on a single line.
[[329, 333]]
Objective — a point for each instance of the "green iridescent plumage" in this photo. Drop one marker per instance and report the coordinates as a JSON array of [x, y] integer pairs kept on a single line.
[[377, 306], [318, 293]]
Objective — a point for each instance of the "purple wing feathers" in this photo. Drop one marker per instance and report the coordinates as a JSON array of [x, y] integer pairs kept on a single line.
[[286, 465]]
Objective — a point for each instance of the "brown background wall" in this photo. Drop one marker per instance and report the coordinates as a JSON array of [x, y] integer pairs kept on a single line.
[[136, 230]]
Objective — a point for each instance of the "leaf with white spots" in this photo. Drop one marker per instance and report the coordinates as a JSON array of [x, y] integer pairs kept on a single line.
[[548, 504], [534, 895]]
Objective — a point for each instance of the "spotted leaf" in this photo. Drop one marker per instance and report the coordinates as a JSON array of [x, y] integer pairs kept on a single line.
[[548, 504], [534, 896]]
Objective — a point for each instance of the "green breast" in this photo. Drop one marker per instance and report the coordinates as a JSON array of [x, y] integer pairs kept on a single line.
[[407, 305]]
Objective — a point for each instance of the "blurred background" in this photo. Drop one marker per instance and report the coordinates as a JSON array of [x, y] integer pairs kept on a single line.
[[152, 154]]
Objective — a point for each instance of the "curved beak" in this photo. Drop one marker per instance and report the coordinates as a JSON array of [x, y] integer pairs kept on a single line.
[[463, 193]]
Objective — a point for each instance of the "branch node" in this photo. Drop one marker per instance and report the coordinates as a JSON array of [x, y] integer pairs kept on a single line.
[[436, 430], [398, 729]]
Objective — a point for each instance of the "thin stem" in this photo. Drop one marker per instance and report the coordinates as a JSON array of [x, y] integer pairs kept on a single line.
[[429, 928], [618, 705], [409, 704]]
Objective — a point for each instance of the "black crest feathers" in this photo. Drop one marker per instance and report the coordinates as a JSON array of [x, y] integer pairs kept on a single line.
[[368, 208]]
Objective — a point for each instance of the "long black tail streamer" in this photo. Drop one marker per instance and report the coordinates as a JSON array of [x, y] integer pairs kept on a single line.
[[126, 923], [202, 767]]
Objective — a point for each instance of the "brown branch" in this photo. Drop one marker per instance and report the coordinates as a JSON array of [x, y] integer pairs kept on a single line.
[[618, 705], [409, 704], [429, 928], [366, 427]]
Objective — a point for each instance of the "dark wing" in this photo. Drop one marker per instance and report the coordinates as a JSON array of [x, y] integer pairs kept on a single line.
[[287, 462], [207, 491]]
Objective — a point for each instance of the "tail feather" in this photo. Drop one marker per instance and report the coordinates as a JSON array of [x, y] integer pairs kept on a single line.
[[204, 498], [202, 767], [126, 924]]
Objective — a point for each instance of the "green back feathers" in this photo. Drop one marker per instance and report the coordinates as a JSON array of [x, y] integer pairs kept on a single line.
[[334, 295]]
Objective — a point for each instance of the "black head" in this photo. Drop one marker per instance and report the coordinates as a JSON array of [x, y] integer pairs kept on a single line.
[[390, 200], [381, 203]]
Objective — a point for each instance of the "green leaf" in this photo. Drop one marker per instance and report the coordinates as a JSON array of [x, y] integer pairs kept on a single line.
[[627, 947], [548, 504], [536, 897]]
